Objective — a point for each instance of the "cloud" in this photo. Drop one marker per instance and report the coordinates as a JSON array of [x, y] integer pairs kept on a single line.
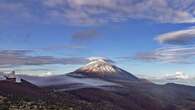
[[176, 76], [89, 12], [181, 48], [182, 37], [61, 79], [13, 10], [102, 11], [47, 74], [100, 58], [179, 55], [23, 57]]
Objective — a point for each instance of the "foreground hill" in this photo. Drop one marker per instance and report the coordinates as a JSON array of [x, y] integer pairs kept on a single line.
[[134, 96]]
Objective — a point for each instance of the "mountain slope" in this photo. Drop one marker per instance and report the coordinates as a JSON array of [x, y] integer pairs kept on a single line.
[[100, 68]]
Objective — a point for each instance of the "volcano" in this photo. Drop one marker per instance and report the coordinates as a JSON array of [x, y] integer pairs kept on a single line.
[[100, 68], [99, 73]]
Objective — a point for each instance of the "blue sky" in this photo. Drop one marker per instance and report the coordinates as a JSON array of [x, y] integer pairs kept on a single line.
[[146, 37]]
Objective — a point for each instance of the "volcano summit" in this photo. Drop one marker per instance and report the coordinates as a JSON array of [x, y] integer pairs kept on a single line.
[[101, 68]]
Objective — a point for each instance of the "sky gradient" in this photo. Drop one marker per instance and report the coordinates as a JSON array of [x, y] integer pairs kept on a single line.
[[149, 38]]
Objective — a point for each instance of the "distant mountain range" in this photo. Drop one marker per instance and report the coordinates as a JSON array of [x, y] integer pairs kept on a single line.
[[99, 85]]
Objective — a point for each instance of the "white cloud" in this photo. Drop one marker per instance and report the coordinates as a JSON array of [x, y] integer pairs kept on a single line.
[[101, 11], [181, 48], [23, 57], [100, 58], [182, 37], [179, 75], [176, 76], [45, 74], [179, 55]]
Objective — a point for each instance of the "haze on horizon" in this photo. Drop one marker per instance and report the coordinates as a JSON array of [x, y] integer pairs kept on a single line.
[[153, 39]]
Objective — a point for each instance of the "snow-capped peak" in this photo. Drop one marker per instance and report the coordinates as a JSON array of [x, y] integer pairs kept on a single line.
[[103, 68], [99, 65]]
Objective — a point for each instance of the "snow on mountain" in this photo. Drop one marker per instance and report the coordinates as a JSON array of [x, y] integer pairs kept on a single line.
[[99, 66], [102, 68]]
